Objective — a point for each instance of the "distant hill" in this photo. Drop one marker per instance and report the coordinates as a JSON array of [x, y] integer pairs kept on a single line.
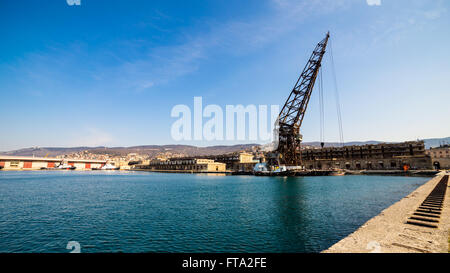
[[436, 142], [153, 150], [50, 151], [150, 150]]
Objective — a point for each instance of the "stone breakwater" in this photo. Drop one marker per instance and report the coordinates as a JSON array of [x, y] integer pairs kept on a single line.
[[389, 231]]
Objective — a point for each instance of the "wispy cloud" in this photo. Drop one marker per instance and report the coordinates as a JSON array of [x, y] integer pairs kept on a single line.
[[140, 66], [435, 14], [148, 66], [418, 15], [374, 2], [163, 64], [92, 137]]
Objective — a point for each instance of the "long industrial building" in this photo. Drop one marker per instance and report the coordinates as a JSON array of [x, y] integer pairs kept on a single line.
[[197, 165], [385, 156], [236, 162], [37, 163]]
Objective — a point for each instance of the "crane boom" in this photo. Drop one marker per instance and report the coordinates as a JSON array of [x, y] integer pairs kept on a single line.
[[291, 116]]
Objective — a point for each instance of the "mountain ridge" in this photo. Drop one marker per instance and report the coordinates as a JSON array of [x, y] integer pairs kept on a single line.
[[189, 150]]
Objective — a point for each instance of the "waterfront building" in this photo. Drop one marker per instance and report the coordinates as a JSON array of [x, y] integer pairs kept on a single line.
[[237, 162], [440, 156], [37, 163], [185, 165], [384, 156]]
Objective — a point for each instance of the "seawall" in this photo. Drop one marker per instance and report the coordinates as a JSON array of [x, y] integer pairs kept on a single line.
[[389, 231]]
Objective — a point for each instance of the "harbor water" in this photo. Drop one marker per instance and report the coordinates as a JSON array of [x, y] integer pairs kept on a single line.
[[112, 211]]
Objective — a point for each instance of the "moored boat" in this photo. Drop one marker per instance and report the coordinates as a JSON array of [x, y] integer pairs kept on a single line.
[[109, 167], [65, 166]]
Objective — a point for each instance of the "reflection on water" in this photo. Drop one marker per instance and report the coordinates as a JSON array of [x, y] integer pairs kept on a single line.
[[214, 174], [141, 212]]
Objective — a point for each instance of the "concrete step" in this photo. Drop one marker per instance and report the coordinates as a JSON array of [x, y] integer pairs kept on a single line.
[[425, 219], [429, 211], [426, 214], [421, 223], [430, 208]]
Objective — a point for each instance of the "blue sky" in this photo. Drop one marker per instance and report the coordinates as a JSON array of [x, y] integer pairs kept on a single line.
[[109, 72]]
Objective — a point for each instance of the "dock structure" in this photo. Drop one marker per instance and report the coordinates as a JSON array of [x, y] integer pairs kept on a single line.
[[419, 223]]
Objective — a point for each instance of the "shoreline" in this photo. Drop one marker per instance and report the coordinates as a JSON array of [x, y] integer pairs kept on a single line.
[[182, 171], [388, 232], [421, 173]]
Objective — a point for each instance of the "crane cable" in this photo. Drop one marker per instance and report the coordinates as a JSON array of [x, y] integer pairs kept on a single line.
[[321, 109], [338, 104]]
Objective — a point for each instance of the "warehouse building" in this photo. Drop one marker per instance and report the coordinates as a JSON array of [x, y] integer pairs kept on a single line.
[[237, 162], [37, 163], [440, 156], [385, 156], [185, 165]]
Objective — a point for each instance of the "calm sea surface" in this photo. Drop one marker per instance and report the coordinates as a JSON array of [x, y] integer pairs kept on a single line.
[[150, 212]]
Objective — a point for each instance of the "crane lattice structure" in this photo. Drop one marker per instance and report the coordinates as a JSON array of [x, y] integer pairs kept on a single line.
[[291, 116]]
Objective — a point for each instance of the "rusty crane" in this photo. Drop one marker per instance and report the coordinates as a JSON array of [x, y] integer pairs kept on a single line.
[[291, 116]]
